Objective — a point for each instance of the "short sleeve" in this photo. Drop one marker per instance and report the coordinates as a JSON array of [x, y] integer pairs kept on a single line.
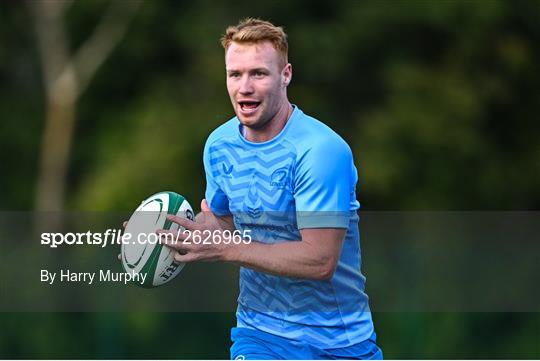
[[215, 197], [323, 186]]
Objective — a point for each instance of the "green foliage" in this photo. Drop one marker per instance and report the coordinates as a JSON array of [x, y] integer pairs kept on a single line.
[[439, 101]]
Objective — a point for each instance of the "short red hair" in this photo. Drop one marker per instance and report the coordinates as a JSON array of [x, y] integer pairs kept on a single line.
[[251, 30]]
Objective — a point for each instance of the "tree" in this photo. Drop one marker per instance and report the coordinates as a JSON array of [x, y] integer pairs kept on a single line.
[[66, 76]]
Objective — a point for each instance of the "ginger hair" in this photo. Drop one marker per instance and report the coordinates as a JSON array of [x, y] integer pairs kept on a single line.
[[253, 31]]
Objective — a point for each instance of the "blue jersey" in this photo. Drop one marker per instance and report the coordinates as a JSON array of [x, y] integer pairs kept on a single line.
[[302, 178]]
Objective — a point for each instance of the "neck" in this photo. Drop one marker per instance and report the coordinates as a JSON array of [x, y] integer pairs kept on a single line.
[[272, 127]]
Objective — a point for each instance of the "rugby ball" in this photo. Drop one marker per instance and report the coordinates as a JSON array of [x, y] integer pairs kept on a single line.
[[141, 251]]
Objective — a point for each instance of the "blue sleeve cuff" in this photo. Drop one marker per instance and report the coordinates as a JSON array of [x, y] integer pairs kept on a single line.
[[322, 219]]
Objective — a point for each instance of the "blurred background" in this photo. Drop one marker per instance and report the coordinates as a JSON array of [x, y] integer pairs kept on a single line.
[[439, 101]]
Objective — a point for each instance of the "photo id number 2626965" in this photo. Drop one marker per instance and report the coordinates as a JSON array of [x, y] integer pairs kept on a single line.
[[217, 237]]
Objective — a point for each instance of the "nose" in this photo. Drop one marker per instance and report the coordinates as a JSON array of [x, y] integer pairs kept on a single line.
[[246, 86]]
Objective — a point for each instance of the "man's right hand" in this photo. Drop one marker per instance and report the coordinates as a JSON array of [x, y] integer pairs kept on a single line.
[[212, 221]]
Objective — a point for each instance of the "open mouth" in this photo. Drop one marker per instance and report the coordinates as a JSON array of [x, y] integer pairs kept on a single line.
[[249, 106]]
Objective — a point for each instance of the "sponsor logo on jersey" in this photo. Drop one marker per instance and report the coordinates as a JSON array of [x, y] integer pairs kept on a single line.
[[227, 170]]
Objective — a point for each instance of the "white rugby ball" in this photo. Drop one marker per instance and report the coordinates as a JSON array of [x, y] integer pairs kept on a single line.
[[142, 253]]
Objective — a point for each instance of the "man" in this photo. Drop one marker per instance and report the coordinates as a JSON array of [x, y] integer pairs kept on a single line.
[[289, 181]]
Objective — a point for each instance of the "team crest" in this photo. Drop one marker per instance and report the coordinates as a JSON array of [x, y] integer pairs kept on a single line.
[[279, 178]]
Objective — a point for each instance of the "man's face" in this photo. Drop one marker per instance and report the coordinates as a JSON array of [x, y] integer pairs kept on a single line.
[[256, 81]]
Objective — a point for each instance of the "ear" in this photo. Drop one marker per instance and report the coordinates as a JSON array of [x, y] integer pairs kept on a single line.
[[286, 75]]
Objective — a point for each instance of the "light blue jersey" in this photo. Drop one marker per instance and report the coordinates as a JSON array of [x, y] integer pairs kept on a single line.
[[302, 178]]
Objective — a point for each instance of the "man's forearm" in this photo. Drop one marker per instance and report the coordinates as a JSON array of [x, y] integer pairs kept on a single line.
[[292, 259], [313, 257]]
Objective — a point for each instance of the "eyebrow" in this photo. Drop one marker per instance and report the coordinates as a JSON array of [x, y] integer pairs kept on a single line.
[[264, 70]]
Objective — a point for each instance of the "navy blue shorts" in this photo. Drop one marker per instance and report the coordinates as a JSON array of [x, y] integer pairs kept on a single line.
[[251, 344]]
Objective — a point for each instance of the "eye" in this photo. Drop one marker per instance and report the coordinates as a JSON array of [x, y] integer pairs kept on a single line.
[[259, 73], [234, 75]]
